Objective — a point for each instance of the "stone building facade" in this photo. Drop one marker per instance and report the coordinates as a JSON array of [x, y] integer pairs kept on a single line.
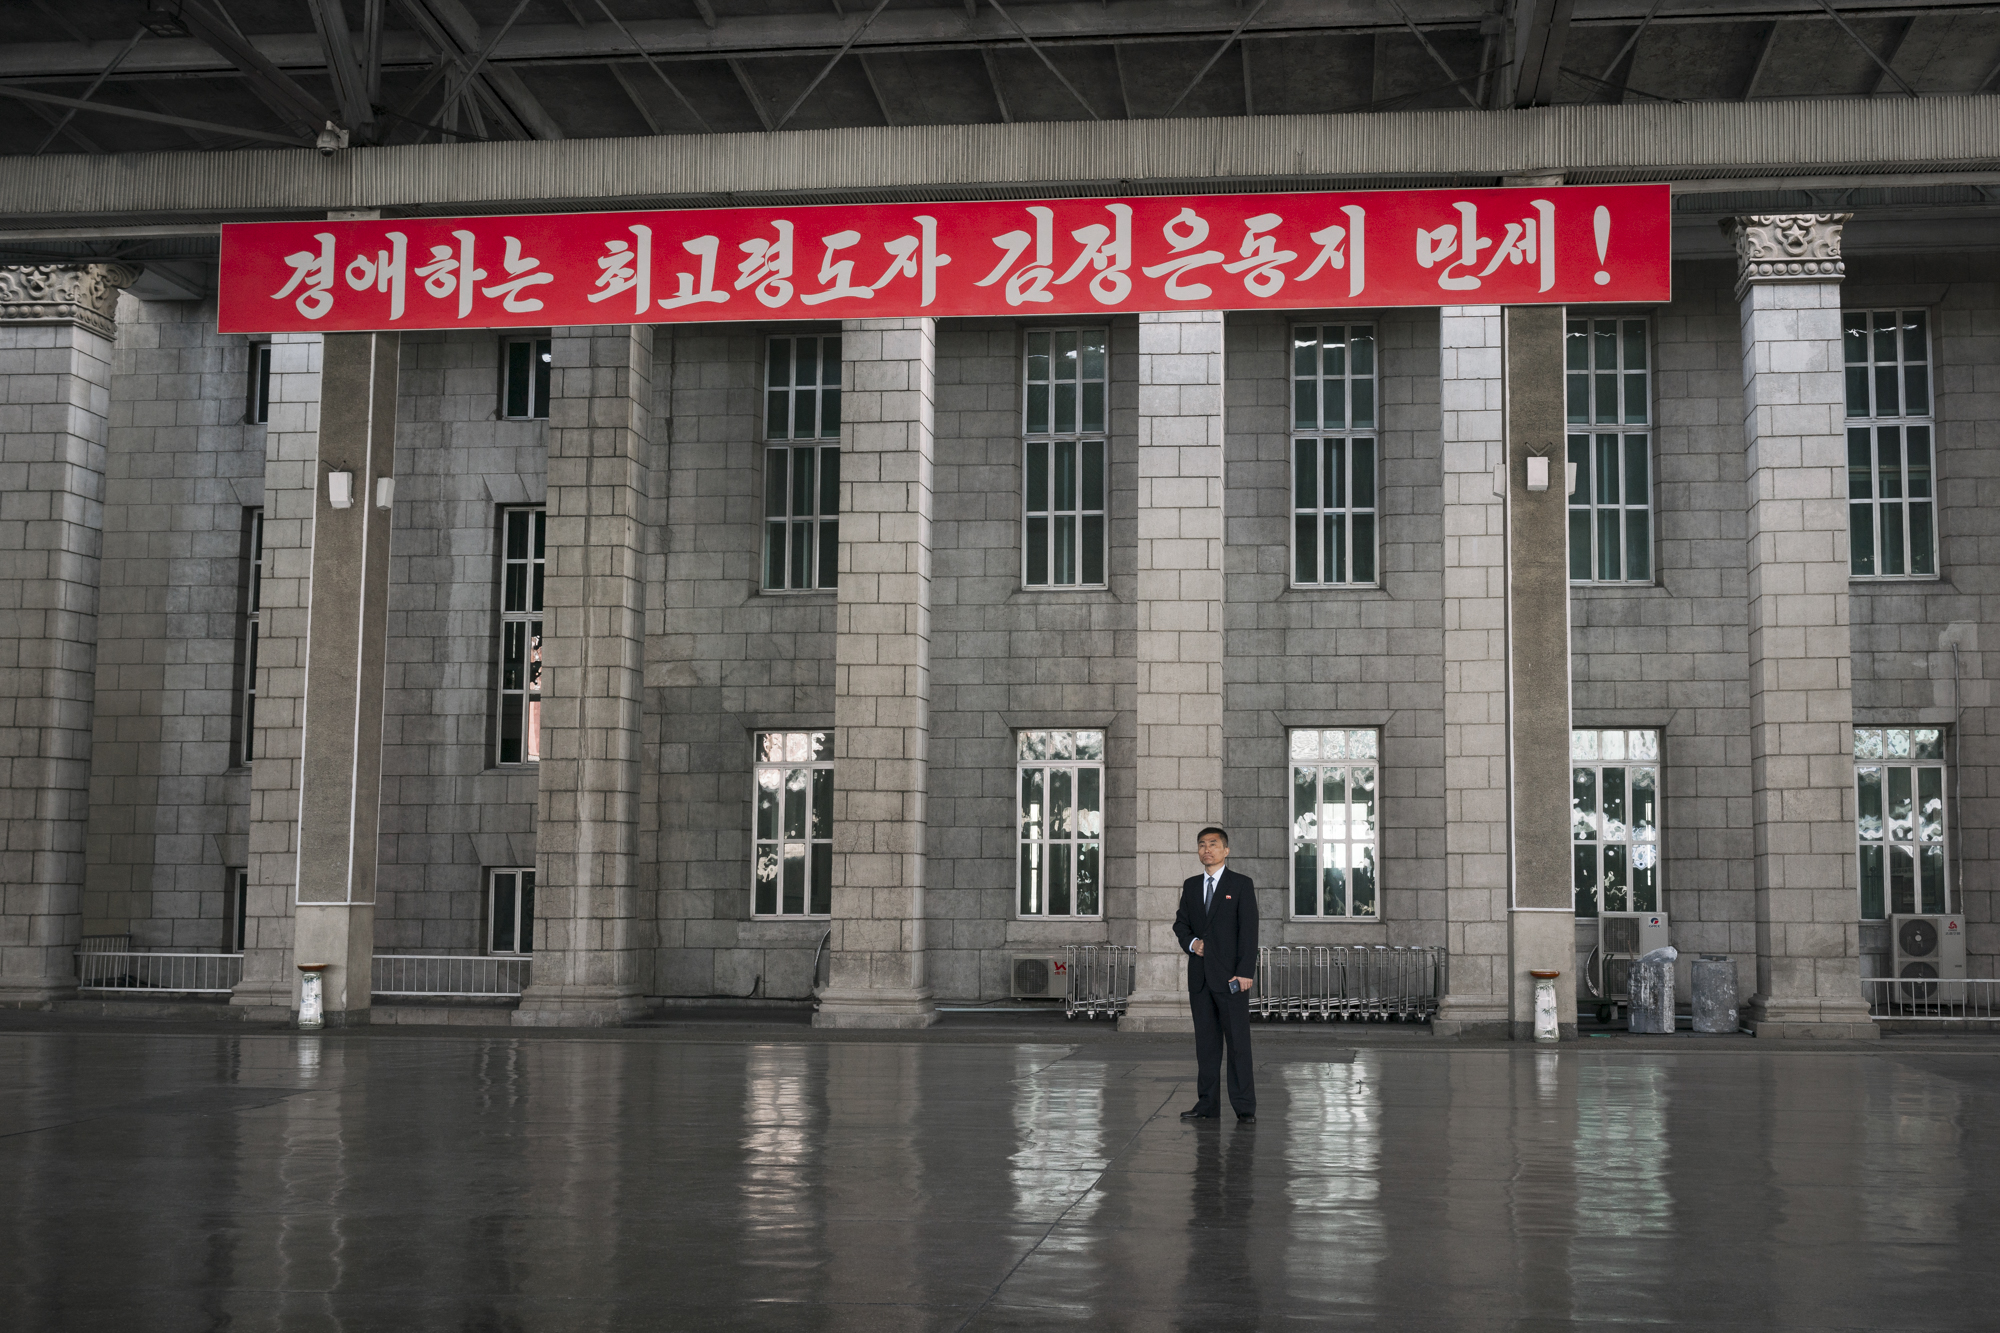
[[164, 513]]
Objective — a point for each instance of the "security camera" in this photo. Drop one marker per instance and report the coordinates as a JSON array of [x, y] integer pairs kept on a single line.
[[331, 140]]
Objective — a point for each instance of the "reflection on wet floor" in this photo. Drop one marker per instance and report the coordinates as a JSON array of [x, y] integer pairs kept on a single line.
[[261, 1181]]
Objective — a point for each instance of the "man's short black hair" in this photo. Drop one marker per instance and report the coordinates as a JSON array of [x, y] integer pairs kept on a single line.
[[1221, 833]]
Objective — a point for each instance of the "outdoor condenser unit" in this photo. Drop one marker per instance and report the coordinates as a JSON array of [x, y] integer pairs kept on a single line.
[[1928, 949], [1621, 938], [1041, 976]]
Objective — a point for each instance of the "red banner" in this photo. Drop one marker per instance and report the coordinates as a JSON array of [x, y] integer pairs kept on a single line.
[[1565, 246]]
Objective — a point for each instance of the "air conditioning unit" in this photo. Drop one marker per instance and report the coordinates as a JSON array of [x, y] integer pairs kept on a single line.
[[1621, 938], [1041, 976], [1928, 955]]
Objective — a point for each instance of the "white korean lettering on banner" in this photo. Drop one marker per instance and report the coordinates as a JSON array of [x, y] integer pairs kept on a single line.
[[769, 266], [1109, 251], [1261, 256], [1031, 281], [838, 272], [386, 272], [522, 275], [1438, 244], [705, 249], [445, 275], [915, 257], [1530, 241], [316, 272], [1185, 230], [1343, 247], [628, 267]]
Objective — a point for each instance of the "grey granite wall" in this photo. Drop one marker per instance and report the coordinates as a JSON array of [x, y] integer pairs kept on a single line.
[[168, 812]]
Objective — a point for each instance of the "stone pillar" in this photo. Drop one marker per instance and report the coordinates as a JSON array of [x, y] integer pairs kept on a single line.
[[1180, 643], [316, 781], [588, 949], [1542, 916], [56, 327], [882, 677], [1473, 398], [1801, 700]]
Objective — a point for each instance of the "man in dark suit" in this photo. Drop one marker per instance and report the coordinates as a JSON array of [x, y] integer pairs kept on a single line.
[[1217, 926]]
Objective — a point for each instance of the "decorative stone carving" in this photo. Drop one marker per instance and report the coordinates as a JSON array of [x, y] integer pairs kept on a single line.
[[1787, 247], [53, 293]]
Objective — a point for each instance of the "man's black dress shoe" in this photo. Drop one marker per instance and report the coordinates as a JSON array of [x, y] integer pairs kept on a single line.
[[1198, 1114], [1246, 1119]]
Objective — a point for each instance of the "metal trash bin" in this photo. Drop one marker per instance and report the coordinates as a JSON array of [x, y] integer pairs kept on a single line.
[[1651, 992], [1714, 993]]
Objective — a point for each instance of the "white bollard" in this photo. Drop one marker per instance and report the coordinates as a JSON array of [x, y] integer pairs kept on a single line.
[[312, 1004], [1546, 1025]]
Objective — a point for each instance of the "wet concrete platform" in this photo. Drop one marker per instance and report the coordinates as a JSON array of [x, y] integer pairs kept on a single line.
[[977, 1177]]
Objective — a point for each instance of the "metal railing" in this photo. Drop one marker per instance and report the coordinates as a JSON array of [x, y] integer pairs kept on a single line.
[[175, 973], [465, 975], [1350, 981], [1359, 981], [1916, 999], [1100, 980]]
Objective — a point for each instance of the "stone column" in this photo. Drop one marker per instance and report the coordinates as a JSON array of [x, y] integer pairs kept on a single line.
[[588, 950], [1801, 700], [56, 327], [1179, 621], [316, 783], [1473, 396], [882, 677], [1542, 913]]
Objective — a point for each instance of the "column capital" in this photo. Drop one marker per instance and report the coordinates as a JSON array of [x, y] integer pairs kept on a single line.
[[85, 294], [1786, 247]]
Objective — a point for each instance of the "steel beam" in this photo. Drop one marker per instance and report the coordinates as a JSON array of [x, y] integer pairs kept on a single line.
[[1541, 31]]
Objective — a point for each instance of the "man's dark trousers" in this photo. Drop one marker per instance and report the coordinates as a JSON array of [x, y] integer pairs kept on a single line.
[[1227, 927], [1222, 1019]]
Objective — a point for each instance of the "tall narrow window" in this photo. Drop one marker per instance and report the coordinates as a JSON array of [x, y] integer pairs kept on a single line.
[[802, 480], [1334, 458], [524, 391], [236, 884], [1061, 783], [1611, 448], [253, 600], [1063, 459], [792, 869], [510, 910], [1899, 820], [1891, 485], [1335, 819], [523, 539], [1614, 820], [258, 408]]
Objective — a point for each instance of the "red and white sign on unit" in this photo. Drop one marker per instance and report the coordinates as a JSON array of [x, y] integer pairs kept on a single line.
[[1563, 246]]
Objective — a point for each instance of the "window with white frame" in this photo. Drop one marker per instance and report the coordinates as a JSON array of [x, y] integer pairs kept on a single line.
[[524, 375], [510, 910], [792, 865], [1335, 462], [1061, 784], [258, 408], [1611, 448], [1899, 808], [523, 541], [253, 599], [1891, 483], [1063, 458], [1614, 820], [802, 478], [1335, 823]]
